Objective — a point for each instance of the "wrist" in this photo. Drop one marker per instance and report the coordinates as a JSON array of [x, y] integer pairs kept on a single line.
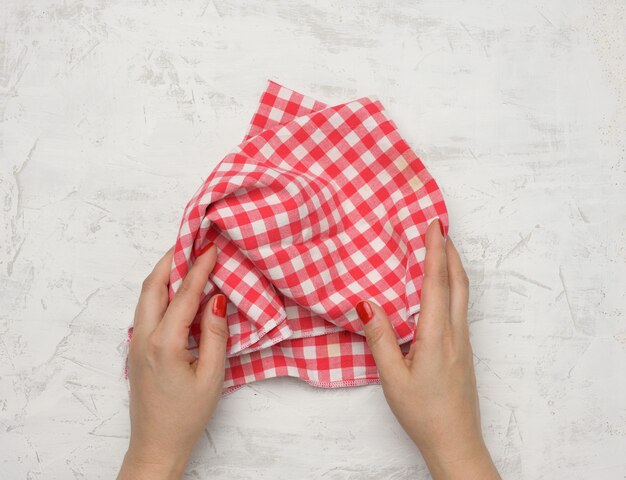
[[473, 463], [139, 464]]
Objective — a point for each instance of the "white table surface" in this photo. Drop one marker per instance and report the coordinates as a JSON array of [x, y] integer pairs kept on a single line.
[[114, 111]]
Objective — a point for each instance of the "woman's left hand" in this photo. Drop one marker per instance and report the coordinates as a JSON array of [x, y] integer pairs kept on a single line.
[[173, 394]]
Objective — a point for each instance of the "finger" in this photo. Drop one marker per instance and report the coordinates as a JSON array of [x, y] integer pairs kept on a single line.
[[459, 288], [381, 340], [213, 338], [153, 298], [184, 306], [434, 317]]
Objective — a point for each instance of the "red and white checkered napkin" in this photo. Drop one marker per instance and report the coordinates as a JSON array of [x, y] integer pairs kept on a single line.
[[318, 208]]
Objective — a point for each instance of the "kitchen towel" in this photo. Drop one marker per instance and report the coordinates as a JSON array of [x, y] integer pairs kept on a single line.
[[319, 207]]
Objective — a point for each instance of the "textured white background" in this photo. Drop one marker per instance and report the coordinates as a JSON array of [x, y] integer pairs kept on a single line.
[[114, 111]]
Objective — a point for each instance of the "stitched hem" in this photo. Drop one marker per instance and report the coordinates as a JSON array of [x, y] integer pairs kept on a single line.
[[357, 382]]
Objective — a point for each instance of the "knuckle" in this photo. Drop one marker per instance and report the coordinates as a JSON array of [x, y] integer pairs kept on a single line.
[[447, 337], [218, 330], [375, 334], [442, 276], [148, 284], [460, 359], [459, 352], [185, 289], [155, 345]]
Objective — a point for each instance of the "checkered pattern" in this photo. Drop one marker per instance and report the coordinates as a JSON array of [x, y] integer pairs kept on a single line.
[[318, 208]]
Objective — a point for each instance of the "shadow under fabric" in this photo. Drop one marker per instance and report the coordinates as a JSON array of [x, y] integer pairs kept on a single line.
[[319, 207]]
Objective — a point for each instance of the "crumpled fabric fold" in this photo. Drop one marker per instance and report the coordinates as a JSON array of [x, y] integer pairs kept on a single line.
[[319, 207]]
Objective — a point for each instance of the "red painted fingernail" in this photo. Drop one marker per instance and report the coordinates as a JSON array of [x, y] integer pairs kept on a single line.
[[219, 306], [205, 249], [364, 309]]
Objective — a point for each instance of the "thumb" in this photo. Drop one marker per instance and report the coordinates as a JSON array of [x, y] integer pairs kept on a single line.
[[213, 338], [382, 340]]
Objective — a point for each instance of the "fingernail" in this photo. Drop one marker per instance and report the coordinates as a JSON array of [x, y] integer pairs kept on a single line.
[[219, 306], [364, 309], [205, 249]]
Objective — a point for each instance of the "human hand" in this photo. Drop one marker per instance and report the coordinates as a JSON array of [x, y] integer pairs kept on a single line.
[[432, 391], [172, 393]]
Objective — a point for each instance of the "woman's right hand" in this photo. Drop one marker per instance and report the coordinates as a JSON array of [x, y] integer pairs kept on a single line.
[[432, 391]]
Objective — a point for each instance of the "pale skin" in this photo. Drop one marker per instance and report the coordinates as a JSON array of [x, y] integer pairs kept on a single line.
[[431, 391]]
